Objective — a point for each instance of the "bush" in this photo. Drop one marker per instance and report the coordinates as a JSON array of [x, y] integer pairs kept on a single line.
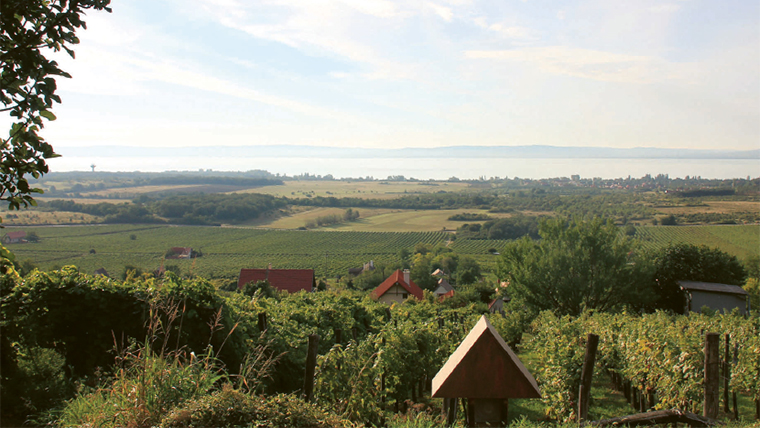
[[231, 407]]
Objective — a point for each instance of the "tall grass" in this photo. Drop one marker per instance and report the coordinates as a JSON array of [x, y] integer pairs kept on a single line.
[[149, 379]]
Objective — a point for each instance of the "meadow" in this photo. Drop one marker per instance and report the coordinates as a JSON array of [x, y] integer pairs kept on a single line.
[[330, 253]]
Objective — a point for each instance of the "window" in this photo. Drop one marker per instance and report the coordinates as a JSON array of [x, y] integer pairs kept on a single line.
[[404, 296]]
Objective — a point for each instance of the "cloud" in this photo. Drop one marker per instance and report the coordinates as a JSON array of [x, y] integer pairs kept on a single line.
[[586, 63], [444, 12]]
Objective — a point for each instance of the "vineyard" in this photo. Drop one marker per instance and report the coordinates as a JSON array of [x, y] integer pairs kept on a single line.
[[741, 241], [330, 253], [658, 359]]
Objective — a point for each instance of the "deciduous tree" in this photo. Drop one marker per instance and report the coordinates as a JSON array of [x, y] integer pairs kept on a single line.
[[577, 265], [30, 30]]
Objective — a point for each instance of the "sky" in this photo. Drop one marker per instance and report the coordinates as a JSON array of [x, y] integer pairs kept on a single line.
[[382, 73]]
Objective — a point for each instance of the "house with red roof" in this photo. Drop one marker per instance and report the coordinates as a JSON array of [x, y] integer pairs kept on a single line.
[[396, 288], [290, 280], [14, 237], [179, 253]]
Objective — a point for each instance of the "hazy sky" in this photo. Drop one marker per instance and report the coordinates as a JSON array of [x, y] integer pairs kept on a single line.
[[380, 73]]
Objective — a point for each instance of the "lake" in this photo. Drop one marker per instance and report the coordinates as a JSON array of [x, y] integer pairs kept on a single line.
[[426, 168]]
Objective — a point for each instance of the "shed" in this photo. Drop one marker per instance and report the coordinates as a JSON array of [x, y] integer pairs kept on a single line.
[[486, 371], [718, 297], [290, 280], [444, 289]]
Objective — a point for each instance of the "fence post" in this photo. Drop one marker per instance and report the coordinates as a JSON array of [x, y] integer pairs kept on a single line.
[[726, 373], [311, 364], [712, 375], [262, 321], [586, 374], [354, 333], [338, 336]]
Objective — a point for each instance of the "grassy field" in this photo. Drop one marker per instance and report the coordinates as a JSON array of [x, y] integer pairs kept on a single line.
[[227, 250], [382, 220], [357, 189], [741, 241]]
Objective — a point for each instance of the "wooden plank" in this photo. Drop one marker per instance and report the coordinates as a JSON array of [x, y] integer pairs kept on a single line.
[[712, 375]]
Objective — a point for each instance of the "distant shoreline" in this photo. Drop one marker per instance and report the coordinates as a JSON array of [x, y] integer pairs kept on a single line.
[[473, 152]]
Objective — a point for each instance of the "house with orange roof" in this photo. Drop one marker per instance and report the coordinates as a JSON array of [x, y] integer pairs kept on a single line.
[[397, 288]]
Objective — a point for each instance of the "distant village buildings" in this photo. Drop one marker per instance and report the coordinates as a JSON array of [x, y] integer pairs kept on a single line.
[[397, 288]]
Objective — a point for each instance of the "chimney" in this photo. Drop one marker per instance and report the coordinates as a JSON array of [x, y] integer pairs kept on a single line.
[[407, 280]]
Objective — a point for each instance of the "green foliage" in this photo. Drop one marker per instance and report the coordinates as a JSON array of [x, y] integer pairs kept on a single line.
[[557, 342], [470, 217], [685, 262], [28, 86], [252, 287], [577, 265], [231, 407]]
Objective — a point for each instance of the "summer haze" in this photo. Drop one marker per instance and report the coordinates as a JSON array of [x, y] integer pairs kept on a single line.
[[271, 214]]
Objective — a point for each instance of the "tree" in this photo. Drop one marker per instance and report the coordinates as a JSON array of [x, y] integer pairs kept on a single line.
[[686, 262], [29, 30], [577, 265]]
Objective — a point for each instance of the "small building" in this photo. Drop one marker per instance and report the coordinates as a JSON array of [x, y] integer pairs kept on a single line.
[[397, 288], [497, 305], [290, 280], [179, 253], [486, 372], [14, 237], [439, 273], [718, 297], [366, 267], [444, 289], [101, 272]]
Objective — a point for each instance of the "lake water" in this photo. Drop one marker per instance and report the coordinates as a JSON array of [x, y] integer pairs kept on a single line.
[[426, 168]]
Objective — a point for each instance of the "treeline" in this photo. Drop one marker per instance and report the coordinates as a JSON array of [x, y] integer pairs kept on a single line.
[[507, 228], [200, 209]]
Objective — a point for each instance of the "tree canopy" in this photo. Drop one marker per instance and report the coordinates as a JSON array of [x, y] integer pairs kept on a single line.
[[577, 265], [30, 30], [685, 262]]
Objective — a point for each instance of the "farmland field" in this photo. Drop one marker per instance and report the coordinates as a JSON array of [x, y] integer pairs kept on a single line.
[[740, 241], [383, 220], [227, 250], [357, 189]]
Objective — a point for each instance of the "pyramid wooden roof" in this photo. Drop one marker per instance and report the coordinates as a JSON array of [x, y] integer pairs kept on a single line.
[[290, 280], [483, 366]]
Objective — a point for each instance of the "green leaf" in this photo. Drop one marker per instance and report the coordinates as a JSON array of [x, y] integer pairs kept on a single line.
[[47, 115]]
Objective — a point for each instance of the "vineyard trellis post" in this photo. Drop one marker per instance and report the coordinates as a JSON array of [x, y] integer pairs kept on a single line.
[[262, 321], [733, 394], [311, 364], [586, 374], [712, 375], [726, 372], [338, 336]]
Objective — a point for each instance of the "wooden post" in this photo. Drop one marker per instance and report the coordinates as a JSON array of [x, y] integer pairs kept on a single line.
[[735, 362], [311, 364], [262, 321], [450, 405], [440, 322], [712, 376], [586, 374], [354, 333], [726, 373], [338, 335]]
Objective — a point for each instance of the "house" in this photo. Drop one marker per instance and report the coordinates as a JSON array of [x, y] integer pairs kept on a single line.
[[444, 289], [396, 288], [101, 272], [290, 280], [497, 305], [179, 253], [718, 297], [366, 267], [14, 237]]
